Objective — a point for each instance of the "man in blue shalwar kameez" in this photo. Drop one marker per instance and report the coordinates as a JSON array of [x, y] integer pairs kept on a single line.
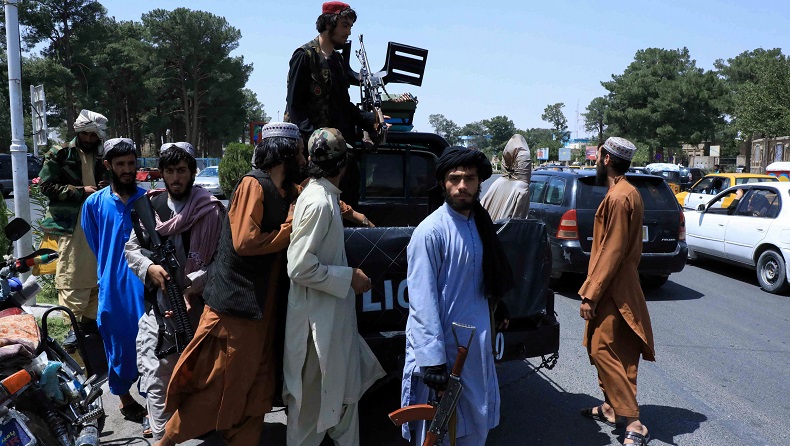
[[107, 222], [452, 258]]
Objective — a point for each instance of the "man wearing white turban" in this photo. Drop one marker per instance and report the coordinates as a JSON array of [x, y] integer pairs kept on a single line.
[[508, 197], [70, 174]]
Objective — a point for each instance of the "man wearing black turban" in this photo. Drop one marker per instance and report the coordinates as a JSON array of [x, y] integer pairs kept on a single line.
[[451, 279]]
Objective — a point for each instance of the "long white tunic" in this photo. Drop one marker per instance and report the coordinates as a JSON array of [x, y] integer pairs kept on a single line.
[[445, 277], [322, 302]]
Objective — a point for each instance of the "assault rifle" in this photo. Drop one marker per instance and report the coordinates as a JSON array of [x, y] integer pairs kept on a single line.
[[175, 331], [371, 85], [439, 412]]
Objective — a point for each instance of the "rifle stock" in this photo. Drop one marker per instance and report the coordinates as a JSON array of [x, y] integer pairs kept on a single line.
[[180, 329]]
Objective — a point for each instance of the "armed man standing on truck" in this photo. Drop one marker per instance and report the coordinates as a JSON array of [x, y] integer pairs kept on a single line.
[[457, 272], [191, 217], [618, 324], [224, 380], [70, 174], [318, 88]]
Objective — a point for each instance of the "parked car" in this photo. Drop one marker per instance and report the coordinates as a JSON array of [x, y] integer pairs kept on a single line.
[[148, 174], [751, 233], [689, 176], [703, 190], [567, 202], [6, 172], [670, 172], [208, 179]]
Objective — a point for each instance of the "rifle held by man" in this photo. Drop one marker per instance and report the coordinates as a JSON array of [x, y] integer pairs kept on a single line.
[[175, 331], [441, 412]]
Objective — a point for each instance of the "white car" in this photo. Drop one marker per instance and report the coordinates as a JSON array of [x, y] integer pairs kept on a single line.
[[753, 231], [208, 179]]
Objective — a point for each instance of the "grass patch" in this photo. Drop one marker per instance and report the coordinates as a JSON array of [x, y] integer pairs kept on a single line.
[[48, 293], [56, 327]]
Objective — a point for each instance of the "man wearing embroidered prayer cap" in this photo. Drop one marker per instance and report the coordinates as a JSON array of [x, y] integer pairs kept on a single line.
[[224, 379], [191, 219], [618, 329], [107, 222], [328, 366], [457, 272], [70, 174], [508, 197]]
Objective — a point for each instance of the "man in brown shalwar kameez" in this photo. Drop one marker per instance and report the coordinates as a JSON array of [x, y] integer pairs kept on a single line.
[[225, 378], [618, 324]]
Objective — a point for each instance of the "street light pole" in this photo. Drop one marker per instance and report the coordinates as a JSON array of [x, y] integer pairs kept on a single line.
[[18, 148]]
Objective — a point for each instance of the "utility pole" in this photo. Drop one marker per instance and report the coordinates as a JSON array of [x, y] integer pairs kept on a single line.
[[18, 148]]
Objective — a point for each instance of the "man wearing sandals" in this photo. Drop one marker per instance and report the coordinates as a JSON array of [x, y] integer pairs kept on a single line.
[[618, 324]]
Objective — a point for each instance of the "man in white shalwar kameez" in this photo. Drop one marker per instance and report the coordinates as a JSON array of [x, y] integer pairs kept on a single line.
[[508, 197], [447, 283], [327, 364]]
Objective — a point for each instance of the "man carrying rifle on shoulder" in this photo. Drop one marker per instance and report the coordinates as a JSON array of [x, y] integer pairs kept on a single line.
[[457, 273], [190, 219], [318, 86], [224, 380]]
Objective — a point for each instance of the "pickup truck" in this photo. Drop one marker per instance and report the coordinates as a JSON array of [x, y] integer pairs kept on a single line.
[[393, 194]]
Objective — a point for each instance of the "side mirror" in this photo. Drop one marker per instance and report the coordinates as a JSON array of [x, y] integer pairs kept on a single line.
[[700, 208]]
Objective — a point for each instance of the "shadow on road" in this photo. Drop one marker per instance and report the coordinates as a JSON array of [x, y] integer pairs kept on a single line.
[[537, 411], [739, 273], [671, 291]]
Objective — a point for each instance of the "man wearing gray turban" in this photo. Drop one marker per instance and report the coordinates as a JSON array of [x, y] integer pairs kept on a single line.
[[508, 197], [70, 174]]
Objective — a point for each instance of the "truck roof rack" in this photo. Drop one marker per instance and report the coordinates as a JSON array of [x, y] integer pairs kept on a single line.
[[404, 64]]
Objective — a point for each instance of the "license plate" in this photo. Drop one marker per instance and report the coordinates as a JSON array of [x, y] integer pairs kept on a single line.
[[13, 433], [645, 238]]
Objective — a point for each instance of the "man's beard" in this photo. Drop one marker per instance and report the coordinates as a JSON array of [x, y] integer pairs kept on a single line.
[[182, 195], [601, 175], [86, 147], [120, 187], [294, 173], [459, 205]]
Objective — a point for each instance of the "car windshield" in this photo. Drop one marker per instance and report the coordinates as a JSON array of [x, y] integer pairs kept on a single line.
[[655, 195], [208, 172]]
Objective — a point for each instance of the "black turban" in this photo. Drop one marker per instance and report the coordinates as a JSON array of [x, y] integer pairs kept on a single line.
[[456, 156], [497, 274]]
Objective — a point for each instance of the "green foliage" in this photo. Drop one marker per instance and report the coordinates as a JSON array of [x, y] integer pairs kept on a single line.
[[500, 128], [4, 242], [761, 104], [234, 164], [663, 100], [56, 327], [446, 128], [594, 118], [478, 131], [553, 115]]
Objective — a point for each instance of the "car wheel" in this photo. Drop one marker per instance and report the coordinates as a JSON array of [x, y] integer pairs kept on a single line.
[[771, 272], [653, 281]]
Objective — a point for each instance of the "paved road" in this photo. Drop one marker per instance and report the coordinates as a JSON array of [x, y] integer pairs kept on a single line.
[[723, 353]]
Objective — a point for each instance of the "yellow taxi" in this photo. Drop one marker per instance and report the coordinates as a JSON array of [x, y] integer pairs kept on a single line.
[[708, 186]]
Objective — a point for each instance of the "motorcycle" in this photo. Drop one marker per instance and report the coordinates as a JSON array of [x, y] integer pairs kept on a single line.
[[45, 396]]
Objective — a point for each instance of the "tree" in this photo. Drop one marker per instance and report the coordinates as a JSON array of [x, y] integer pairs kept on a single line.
[[541, 138], [594, 118], [736, 73], [254, 113], [500, 128], [193, 49], [445, 128], [478, 134], [553, 115], [73, 30], [663, 100], [761, 104]]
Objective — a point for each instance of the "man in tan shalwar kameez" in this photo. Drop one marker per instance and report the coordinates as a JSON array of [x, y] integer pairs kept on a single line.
[[618, 324]]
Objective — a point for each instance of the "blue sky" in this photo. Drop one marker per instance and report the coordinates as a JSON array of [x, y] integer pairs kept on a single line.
[[494, 57]]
